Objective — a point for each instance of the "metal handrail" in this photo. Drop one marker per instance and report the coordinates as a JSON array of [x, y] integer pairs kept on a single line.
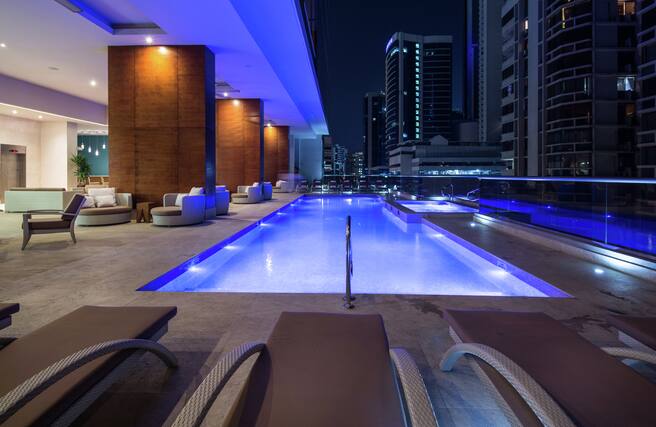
[[348, 298]]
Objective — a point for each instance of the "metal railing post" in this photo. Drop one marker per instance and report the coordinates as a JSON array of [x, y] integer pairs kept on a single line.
[[348, 298]]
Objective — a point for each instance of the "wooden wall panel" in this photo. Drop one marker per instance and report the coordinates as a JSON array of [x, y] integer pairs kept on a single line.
[[161, 120], [283, 149], [239, 142], [276, 152]]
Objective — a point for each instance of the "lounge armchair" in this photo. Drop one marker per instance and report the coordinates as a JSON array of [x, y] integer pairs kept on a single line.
[[319, 369], [636, 331], [119, 214], [6, 310], [543, 373], [317, 186], [267, 191], [303, 186], [190, 210], [222, 200], [346, 185], [283, 187], [248, 194], [50, 376], [64, 224]]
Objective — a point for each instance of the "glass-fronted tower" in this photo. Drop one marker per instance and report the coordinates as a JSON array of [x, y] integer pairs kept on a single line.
[[418, 84], [373, 133]]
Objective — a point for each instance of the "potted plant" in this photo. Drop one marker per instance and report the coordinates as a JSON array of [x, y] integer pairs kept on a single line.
[[82, 169]]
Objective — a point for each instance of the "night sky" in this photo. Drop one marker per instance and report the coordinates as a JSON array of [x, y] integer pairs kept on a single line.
[[351, 58]]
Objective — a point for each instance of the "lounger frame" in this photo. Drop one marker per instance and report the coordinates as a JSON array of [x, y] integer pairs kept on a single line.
[[544, 407], [29, 389], [417, 402]]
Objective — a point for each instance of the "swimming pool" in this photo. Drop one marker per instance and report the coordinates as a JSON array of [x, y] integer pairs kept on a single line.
[[435, 206], [301, 249]]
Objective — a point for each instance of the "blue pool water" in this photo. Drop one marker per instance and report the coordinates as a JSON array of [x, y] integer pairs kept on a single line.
[[301, 249]]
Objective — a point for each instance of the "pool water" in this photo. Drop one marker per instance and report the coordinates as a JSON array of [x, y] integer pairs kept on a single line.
[[301, 249], [432, 206]]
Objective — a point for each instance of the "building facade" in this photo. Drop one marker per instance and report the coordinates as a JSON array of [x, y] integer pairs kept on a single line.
[[418, 82], [355, 164], [373, 138], [340, 155], [646, 140]]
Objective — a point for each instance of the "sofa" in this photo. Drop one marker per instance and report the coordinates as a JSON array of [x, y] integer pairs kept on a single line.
[[248, 194], [179, 209], [222, 200], [283, 187], [20, 199], [119, 214]]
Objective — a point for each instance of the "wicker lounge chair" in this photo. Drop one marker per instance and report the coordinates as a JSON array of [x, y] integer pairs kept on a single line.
[[319, 370], [64, 224], [543, 373], [50, 376], [6, 310], [636, 331], [303, 186], [317, 186]]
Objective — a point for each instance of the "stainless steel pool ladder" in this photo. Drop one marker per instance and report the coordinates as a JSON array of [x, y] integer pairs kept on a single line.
[[348, 298]]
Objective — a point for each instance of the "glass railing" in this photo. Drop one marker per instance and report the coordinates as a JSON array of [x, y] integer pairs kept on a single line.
[[413, 186], [615, 212]]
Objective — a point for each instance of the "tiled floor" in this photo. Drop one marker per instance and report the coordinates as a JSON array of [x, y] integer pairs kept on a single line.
[[53, 277]]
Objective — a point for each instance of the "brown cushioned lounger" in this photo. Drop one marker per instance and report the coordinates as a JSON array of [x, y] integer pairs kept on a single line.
[[106, 329], [6, 310], [319, 370], [637, 332], [563, 379]]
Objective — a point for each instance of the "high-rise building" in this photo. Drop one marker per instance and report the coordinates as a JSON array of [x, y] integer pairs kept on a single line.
[[589, 92], [327, 155], [340, 154], [515, 76], [482, 96], [418, 81], [355, 164], [646, 142], [373, 138]]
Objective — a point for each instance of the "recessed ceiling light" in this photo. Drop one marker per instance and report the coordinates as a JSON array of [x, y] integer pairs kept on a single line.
[[40, 116], [93, 83], [598, 271], [3, 45], [163, 50], [14, 112], [149, 40], [225, 94], [235, 102], [269, 124]]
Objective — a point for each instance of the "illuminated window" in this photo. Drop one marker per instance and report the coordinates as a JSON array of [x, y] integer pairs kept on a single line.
[[626, 83], [525, 24], [405, 50], [626, 7], [416, 45]]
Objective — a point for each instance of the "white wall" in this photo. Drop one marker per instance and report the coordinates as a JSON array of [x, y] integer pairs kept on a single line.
[[15, 131], [48, 146], [58, 144], [307, 157]]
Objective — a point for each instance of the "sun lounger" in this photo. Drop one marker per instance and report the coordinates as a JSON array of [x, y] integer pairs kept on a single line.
[[50, 376], [6, 310], [543, 373], [319, 370]]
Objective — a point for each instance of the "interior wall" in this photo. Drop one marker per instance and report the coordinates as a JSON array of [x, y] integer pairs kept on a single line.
[[276, 152], [58, 144], [100, 163], [161, 120], [239, 142], [17, 131]]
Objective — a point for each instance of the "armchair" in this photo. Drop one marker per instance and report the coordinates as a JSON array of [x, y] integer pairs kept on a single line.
[[248, 194], [191, 210], [65, 223]]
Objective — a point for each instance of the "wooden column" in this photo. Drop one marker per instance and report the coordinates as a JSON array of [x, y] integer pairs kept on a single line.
[[161, 120], [239, 142], [276, 152]]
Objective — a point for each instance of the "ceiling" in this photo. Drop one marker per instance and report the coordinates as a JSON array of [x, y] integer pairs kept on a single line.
[[40, 116], [258, 56]]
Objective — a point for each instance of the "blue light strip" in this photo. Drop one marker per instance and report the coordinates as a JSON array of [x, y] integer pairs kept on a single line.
[[547, 179]]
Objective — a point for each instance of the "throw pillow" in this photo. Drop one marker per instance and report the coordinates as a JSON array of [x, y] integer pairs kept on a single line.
[[178, 200], [196, 191], [99, 192], [105, 201], [89, 202]]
